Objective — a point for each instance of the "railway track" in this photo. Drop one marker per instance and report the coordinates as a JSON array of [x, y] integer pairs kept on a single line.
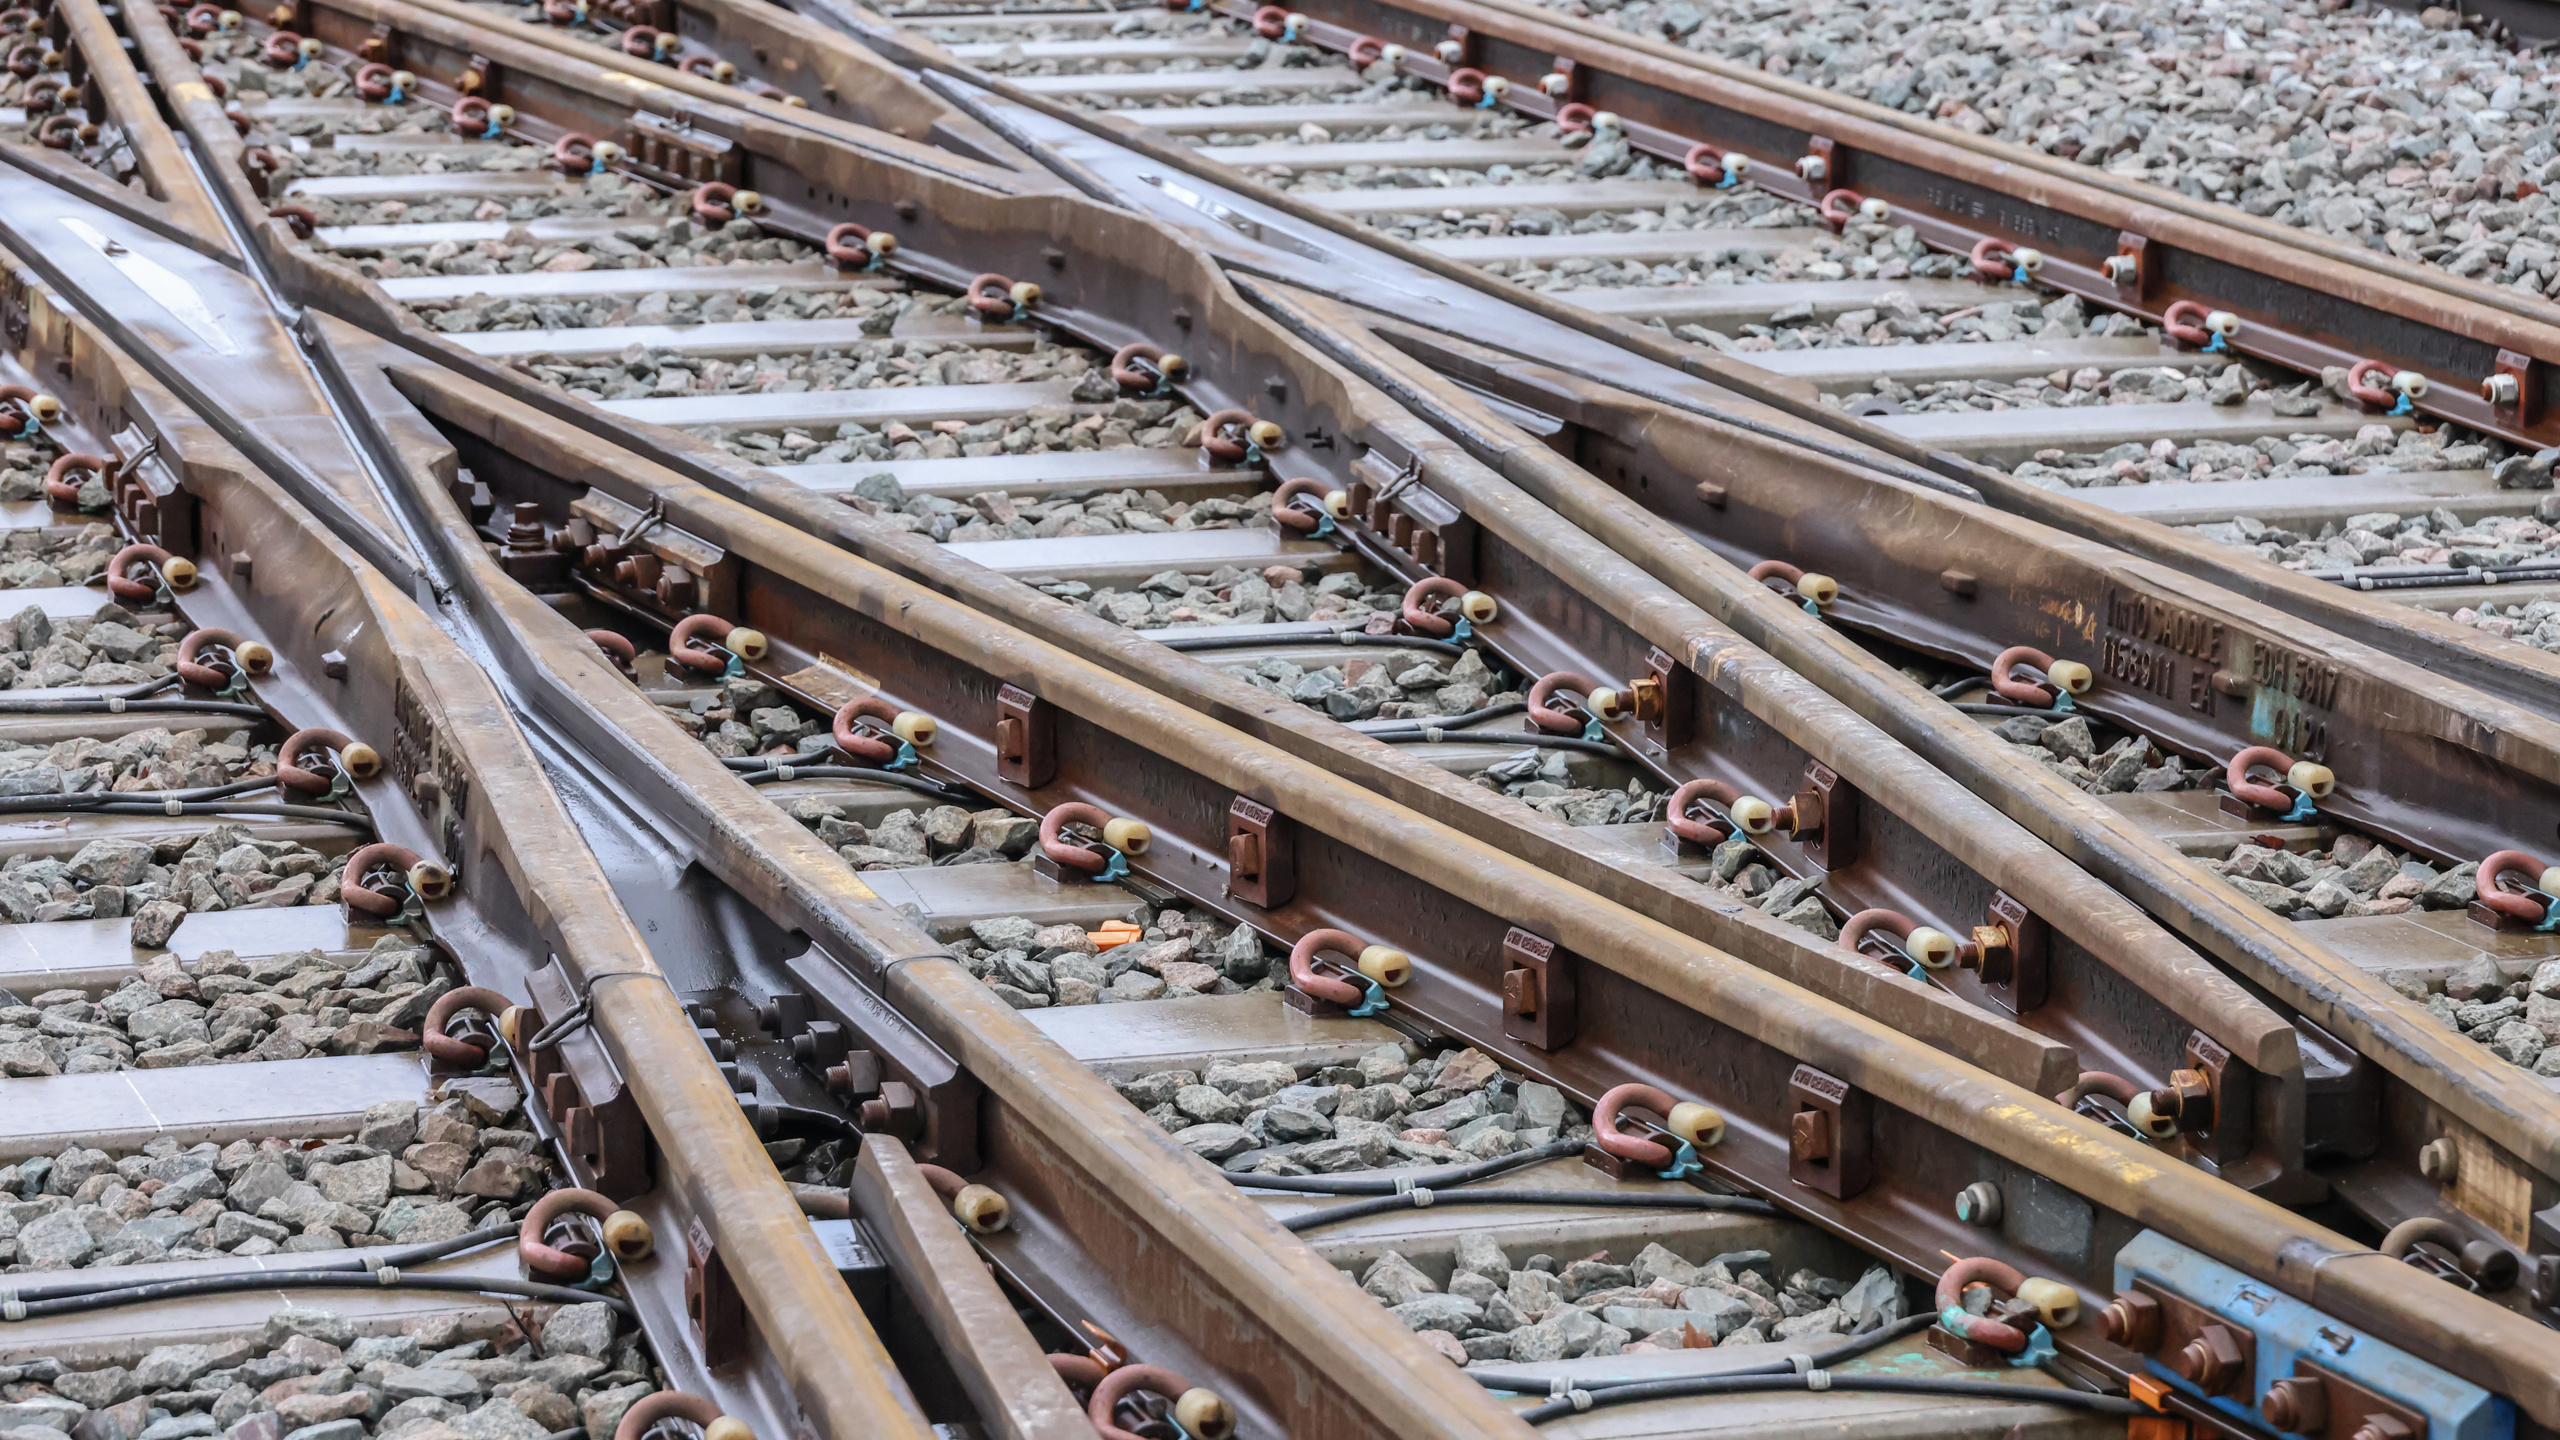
[[1942, 193], [237, 1181], [949, 1004], [2415, 1049], [2323, 979]]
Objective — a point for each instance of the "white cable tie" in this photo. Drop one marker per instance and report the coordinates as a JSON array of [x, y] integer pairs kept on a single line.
[[1817, 1379], [1346, 637], [781, 772], [1404, 1184], [14, 1309], [373, 1262], [1802, 1362], [1422, 1198], [115, 704], [1581, 1400], [389, 1275], [173, 806], [1558, 1387], [1432, 733]]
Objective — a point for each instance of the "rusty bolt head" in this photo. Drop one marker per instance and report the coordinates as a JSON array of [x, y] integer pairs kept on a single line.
[[2131, 1320], [1646, 693], [2211, 1361], [1809, 1136], [2299, 1404], [2384, 1427], [1994, 953]]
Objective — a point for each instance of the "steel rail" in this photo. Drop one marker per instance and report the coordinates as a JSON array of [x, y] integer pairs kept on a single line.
[[914, 641], [1946, 814], [1734, 392], [494, 797], [2483, 1093]]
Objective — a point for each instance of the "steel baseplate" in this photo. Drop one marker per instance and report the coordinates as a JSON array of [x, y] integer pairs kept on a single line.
[[2328, 1378]]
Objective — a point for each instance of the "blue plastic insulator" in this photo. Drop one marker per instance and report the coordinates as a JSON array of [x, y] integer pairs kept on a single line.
[[2404, 407], [1813, 609], [1376, 1004], [1684, 1163], [2039, 1349], [1118, 867], [1324, 523], [2216, 346], [1466, 628], [2062, 702], [906, 757], [2302, 809], [1591, 730]]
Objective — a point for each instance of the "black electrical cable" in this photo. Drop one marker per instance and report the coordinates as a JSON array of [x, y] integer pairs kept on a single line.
[[400, 1258], [1212, 640], [105, 704], [1960, 685], [1873, 1340], [1407, 1179], [127, 805], [1524, 742], [764, 772], [89, 799], [1988, 709], [310, 1280], [1557, 1409], [1426, 1198], [1471, 717]]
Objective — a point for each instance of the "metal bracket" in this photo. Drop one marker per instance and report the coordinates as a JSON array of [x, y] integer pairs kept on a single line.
[[1834, 163], [1828, 1136], [475, 75], [2132, 281], [1573, 81], [711, 1301], [2526, 408], [2012, 950], [1262, 855], [689, 153], [1026, 739], [1538, 991], [1667, 701], [578, 1087], [2224, 1135], [1467, 47], [376, 46], [922, 1095], [1827, 818]]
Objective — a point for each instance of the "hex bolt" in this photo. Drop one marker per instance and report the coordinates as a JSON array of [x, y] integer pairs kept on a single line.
[[1809, 1136], [2212, 1361], [2131, 1320], [2298, 1403], [1979, 1204]]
